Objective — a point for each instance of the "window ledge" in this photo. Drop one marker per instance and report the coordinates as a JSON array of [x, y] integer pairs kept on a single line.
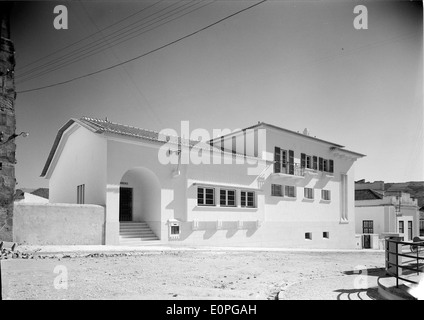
[[221, 208]]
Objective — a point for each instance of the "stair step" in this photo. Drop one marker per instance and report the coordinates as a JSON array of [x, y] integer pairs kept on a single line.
[[151, 234], [136, 233], [131, 223], [134, 228], [137, 239]]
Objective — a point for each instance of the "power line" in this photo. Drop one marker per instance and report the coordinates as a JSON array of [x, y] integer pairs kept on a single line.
[[89, 36], [145, 54], [107, 45], [92, 44]]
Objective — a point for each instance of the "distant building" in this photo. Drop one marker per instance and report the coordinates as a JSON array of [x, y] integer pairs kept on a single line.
[[380, 213], [302, 196], [28, 197]]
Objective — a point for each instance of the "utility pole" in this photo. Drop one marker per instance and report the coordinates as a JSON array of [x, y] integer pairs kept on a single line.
[[7, 124]]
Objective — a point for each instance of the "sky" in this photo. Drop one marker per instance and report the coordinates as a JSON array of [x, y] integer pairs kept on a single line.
[[293, 64]]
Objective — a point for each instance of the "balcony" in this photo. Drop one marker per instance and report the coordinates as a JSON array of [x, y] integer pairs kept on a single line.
[[291, 171]]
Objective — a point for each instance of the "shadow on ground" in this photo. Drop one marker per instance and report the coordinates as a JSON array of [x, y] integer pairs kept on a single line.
[[366, 289], [358, 294]]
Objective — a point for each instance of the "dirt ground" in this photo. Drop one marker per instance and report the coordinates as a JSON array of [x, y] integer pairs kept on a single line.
[[217, 275]]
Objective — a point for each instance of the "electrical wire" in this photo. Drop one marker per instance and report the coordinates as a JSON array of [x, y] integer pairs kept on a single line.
[[92, 44], [144, 54], [89, 36]]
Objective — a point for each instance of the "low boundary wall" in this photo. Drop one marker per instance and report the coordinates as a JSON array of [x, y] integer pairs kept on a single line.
[[58, 224]]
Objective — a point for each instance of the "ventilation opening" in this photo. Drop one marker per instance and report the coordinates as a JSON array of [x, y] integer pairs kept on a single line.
[[308, 235], [326, 235], [175, 230]]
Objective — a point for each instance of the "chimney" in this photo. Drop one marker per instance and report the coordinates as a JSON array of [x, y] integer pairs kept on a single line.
[[306, 132]]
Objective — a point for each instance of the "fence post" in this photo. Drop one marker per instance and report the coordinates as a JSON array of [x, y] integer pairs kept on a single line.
[[1, 288], [397, 268]]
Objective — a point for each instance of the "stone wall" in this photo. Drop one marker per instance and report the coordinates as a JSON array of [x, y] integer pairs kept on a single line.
[[7, 125]]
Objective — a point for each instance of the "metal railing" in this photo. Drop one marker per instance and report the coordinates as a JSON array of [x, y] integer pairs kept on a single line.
[[293, 169], [396, 250]]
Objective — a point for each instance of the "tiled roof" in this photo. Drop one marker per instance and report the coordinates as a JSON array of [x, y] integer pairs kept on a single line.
[[367, 194], [101, 126]]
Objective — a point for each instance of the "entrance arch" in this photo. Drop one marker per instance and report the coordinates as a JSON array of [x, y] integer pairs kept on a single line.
[[140, 198]]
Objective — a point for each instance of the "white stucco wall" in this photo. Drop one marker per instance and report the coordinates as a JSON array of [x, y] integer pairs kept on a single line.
[[104, 163], [81, 161], [58, 224]]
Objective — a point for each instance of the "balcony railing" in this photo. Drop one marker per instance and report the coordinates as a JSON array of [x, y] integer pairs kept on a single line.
[[293, 169]]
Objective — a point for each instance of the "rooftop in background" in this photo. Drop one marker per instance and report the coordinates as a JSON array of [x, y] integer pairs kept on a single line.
[[41, 192], [367, 194]]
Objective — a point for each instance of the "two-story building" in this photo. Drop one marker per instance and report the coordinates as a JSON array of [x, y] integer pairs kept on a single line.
[[262, 186], [381, 213]]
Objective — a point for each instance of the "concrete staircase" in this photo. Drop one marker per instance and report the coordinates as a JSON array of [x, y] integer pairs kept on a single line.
[[136, 233]]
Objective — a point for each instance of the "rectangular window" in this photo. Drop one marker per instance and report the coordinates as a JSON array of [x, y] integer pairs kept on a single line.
[[290, 191], [247, 199], [421, 228], [326, 235], [325, 165], [280, 160], [81, 194], [410, 230], [308, 235], [315, 163], [368, 226], [277, 190], [175, 229], [307, 161], [205, 196], [330, 166], [227, 198], [401, 227], [308, 193], [325, 195]]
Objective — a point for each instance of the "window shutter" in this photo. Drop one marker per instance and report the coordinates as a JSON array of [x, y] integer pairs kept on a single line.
[[315, 163], [291, 162], [321, 164], [277, 157], [302, 160], [331, 165]]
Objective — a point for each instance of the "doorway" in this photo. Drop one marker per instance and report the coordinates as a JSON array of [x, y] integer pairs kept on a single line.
[[125, 204], [367, 230]]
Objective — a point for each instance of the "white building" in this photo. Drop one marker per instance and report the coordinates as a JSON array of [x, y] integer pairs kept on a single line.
[[381, 213], [264, 185]]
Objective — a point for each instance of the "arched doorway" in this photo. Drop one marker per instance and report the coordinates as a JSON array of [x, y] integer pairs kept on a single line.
[[140, 198]]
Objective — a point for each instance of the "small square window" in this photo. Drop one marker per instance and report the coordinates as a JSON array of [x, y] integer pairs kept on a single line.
[[290, 191], [326, 235], [175, 229], [308, 235], [277, 190]]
